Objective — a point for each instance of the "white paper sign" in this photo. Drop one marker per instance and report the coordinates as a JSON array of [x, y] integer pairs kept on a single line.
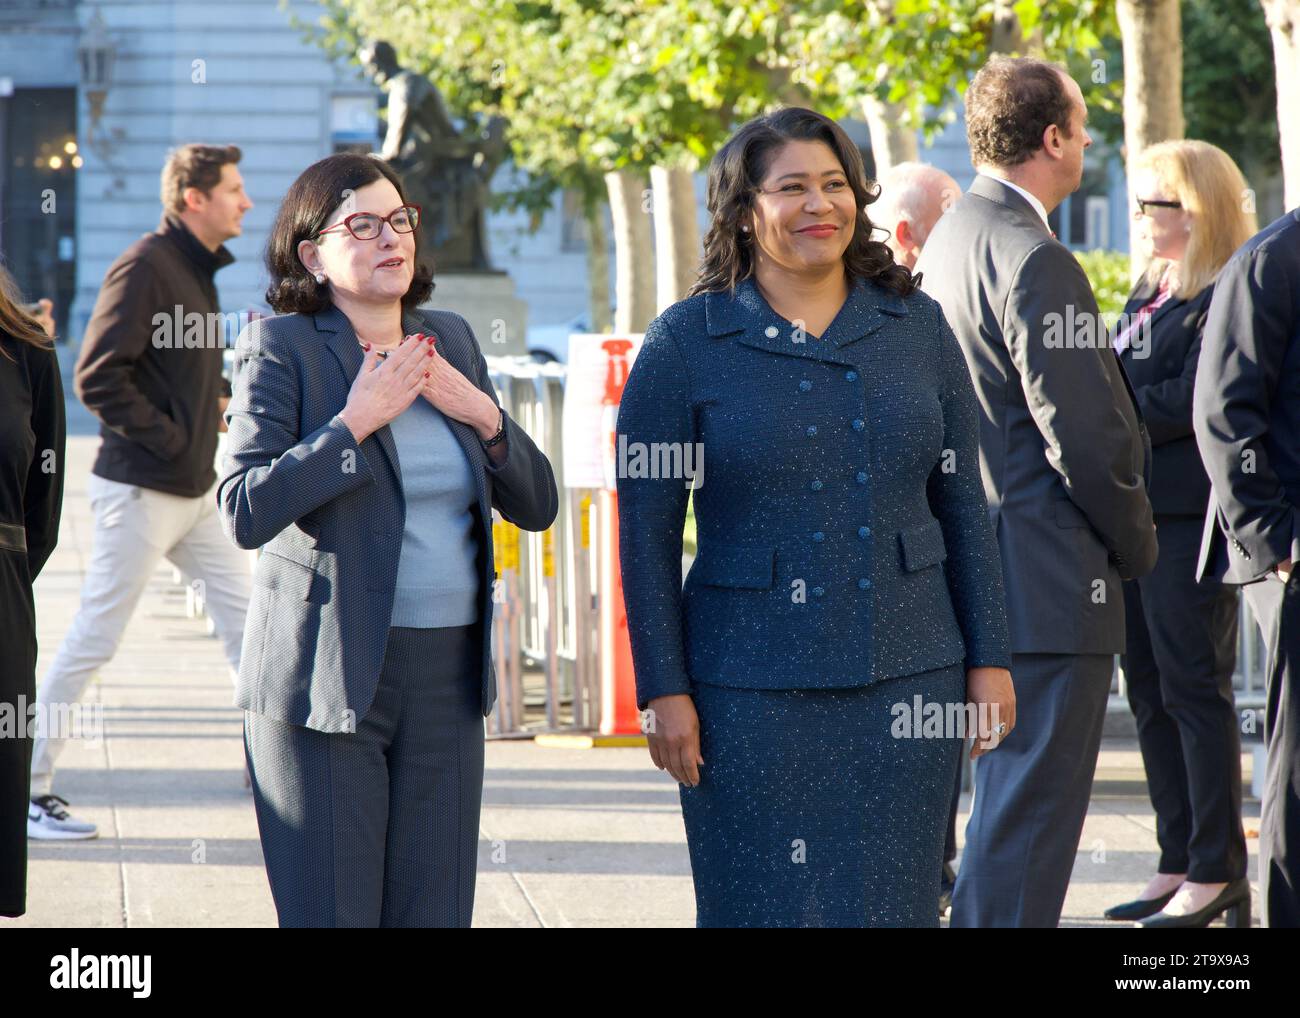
[[598, 365]]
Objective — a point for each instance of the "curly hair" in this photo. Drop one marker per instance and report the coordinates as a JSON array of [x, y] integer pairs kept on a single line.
[[1011, 101], [734, 177], [315, 196]]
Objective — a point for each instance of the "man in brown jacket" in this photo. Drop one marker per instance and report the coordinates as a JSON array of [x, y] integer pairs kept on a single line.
[[150, 370]]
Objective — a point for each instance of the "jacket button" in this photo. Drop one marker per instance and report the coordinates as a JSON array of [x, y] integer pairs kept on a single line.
[[805, 385], [859, 424], [864, 583], [819, 536], [818, 591], [861, 477], [812, 430], [816, 486], [771, 331], [851, 376], [864, 532]]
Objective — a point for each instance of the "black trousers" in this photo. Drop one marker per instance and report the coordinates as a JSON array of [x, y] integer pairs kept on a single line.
[[379, 827], [17, 694], [1277, 608], [1181, 649]]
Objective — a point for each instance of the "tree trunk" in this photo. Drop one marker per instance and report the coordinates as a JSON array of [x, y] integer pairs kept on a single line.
[[598, 269], [1152, 32], [677, 233], [1284, 22], [891, 142], [634, 291]]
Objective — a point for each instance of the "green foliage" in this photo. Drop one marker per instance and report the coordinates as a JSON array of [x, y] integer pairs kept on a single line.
[[1108, 272], [1229, 85]]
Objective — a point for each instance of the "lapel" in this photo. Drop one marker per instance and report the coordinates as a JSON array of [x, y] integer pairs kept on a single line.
[[1142, 294], [745, 313], [341, 339], [462, 354]]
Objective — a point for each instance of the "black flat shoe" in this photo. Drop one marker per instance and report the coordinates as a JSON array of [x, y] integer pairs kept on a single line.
[[1233, 899], [1140, 908]]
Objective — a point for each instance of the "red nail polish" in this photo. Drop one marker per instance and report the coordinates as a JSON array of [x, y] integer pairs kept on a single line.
[[426, 374], [365, 347], [430, 353]]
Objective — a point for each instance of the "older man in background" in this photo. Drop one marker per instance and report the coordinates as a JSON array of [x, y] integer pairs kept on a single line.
[[912, 198]]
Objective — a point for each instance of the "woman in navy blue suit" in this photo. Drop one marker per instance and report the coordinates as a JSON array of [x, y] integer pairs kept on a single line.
[[846, 589]]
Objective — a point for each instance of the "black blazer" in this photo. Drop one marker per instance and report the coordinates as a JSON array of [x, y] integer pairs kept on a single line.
[[1247, 407], [32, 437], [1161, 367]]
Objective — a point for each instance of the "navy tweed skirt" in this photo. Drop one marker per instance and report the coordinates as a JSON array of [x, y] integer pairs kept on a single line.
[[810, 812]]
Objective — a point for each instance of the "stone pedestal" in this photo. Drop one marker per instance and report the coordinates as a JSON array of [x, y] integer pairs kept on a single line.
[[487, 301]]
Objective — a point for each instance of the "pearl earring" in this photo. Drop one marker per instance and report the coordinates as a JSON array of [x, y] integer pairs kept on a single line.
[[320, 277], [744, 229]]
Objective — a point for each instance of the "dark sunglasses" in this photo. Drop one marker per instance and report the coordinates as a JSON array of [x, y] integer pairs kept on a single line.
[[368, 225], [1142, 204]]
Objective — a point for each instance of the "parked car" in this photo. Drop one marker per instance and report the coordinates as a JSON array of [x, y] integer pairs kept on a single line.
[[551, 342]]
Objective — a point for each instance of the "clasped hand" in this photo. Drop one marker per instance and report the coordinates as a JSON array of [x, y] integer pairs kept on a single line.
[[386, 386]]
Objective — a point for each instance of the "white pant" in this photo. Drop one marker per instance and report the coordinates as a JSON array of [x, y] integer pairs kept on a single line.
[[134, 528]]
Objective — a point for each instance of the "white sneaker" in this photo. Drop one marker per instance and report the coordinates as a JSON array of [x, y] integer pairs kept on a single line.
[[48, 820]]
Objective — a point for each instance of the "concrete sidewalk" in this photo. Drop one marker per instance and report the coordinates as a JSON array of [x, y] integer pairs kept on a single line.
[[569, 837]]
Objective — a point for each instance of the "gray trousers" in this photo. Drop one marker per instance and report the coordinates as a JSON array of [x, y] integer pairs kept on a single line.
[[1276, 607], [1031, 795], [379, 827]]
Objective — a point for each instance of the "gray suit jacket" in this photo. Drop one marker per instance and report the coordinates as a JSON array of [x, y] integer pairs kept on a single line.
[[1063, 451], [329, 514]]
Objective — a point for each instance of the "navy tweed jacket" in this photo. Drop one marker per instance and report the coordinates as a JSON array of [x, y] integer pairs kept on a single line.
[[842, 529], [329, 514]]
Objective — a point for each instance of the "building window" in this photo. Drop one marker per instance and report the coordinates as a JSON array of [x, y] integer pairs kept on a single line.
[[354, 123]]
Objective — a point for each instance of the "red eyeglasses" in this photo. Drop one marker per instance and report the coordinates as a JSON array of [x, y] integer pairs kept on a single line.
[[368, 225]]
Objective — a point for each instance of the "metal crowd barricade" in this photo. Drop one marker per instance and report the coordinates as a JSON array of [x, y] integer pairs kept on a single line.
[[545, 613]]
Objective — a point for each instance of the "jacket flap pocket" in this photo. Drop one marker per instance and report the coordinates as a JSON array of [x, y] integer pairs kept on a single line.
[[723, 565], [293, 579], [1068, 514], [922, 546], [13, 537]]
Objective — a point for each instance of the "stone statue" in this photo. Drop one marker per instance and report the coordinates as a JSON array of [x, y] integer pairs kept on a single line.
[[445, 170]]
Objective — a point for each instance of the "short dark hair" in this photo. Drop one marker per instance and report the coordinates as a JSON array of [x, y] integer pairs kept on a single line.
[[311, 199], [734, 177], [194, 166], [1011, 101]]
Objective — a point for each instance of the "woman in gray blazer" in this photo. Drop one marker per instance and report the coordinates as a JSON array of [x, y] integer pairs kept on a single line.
[[366, 452]]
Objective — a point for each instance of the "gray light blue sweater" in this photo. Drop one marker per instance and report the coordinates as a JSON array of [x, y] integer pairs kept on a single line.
[[437, 575]]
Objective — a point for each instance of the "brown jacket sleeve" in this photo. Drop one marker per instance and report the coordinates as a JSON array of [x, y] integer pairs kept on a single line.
[[118, 335]]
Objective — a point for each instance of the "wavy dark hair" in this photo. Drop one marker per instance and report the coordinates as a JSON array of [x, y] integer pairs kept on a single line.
[[734, 177], [315, 196]]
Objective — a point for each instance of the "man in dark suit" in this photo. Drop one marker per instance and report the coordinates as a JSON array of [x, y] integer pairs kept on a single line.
[[1246, 412], [1064, 457]]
